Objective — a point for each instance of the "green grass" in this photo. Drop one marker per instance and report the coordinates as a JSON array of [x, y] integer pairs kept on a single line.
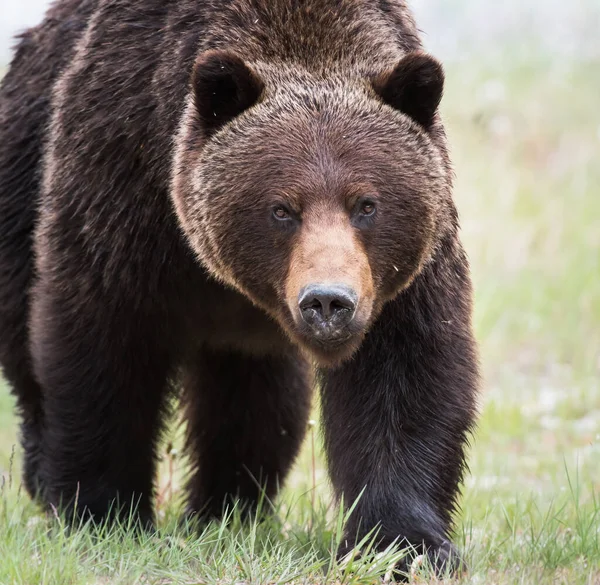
[[525, 136]]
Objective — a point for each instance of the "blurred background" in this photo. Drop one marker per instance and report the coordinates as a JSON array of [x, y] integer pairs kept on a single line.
[[522, 110]]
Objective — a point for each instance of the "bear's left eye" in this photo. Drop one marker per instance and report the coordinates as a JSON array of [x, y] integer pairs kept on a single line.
[[363, 213]]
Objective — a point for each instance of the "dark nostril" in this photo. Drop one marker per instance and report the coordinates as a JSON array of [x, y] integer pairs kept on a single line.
[[327, 301], [338, 305], [312, 303]]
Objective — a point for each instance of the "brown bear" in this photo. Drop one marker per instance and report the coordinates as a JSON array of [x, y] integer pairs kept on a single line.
[[209, 197]]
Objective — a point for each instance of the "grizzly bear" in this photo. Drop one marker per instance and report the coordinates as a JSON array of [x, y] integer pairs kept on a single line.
[[217, 199]]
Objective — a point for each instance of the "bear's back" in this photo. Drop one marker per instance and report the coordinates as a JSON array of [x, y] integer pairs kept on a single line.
[[42, 53]]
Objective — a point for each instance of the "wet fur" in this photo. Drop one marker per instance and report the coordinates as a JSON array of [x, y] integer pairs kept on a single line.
[[105, 309]]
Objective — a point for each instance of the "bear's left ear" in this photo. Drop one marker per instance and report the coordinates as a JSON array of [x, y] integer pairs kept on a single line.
[[223, 87], [414, 87]]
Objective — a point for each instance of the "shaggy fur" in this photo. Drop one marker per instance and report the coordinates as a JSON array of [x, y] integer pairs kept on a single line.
[[144, 149]]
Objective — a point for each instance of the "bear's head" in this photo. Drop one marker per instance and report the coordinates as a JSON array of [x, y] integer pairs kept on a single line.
[[318, 197]]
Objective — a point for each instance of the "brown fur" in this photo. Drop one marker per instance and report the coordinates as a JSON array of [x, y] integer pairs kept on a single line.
[[167, 135]]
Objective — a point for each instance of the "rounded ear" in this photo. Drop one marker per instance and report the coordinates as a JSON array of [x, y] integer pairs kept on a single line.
[[414, 87], [223, 87]]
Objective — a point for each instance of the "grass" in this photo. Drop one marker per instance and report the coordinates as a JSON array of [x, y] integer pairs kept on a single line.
[[526, 142]]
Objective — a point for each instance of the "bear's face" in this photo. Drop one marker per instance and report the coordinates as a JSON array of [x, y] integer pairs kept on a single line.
[[316, 200]]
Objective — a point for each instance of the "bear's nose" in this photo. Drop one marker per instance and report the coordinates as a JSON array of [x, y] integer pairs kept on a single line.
[[327, 307]]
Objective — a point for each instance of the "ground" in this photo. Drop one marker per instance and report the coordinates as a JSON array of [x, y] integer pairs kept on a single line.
[[525, 138]]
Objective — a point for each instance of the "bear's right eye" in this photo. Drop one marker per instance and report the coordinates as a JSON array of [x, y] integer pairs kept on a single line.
[[281, 213]]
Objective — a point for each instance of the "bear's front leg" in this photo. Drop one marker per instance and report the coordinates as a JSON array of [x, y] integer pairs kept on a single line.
[[104, 375], [398, 414]]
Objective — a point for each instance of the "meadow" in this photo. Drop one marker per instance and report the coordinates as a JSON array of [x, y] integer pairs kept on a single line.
[[525, 137]]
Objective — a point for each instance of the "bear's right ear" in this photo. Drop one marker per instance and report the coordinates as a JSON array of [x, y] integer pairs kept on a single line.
[[414, 87], [223, 87]]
